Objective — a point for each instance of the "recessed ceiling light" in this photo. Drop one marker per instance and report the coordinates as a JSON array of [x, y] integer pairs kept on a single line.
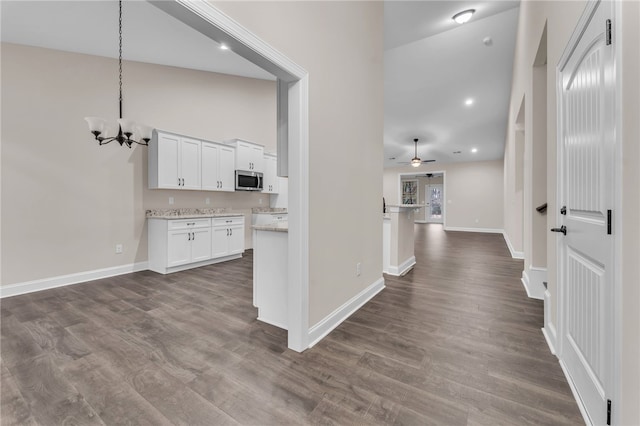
[[224, 47], [463, 16], [474, 150], [468, 102]]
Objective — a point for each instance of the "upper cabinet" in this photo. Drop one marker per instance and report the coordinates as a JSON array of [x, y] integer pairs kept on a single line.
[[174, 162], [270, 177], [217, 167], [249, 156]]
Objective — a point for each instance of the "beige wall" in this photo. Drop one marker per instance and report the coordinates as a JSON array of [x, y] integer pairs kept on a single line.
[[472, 191], [561, 18], [66, 202], [340, 44]]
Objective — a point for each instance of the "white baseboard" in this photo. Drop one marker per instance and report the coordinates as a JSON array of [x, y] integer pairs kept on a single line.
[[483, 230], [514, 254], [334, 319], [549, 329], [576, 396], [403, 268], [64, 280], [533, 282]]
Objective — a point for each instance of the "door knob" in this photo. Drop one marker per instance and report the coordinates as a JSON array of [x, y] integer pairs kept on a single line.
[[562, 229], [563, 210]]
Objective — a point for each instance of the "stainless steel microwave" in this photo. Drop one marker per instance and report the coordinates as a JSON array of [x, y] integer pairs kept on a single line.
[[248, 181]]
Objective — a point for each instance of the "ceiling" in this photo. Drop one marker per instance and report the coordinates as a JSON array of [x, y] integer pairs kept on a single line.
[[432, 65], [91, 27]]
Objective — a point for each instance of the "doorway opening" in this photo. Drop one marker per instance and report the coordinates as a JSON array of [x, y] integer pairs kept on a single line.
[[293, 142], [421, 185]]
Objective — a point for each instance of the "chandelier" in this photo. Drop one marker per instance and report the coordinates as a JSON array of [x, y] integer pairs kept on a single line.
[[128, 131]]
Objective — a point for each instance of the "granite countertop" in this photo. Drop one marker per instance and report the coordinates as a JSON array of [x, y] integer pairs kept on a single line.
[[189, 213], [282, 226], [256, 210], [406, 206]]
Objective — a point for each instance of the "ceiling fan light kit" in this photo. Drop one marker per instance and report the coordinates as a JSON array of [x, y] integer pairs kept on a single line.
[[128, 130]]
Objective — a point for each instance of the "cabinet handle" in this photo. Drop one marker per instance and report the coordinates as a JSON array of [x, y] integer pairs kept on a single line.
[[188, 236], [227, 232], [193, 236], [182, 181], [230, 231]]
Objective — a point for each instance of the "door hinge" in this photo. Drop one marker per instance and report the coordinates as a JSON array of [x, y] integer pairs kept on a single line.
[[608, 411], [608, 222], [608, 32]]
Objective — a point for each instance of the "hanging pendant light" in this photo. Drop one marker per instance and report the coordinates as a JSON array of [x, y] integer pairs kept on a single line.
[[415, 161], [128, 131]]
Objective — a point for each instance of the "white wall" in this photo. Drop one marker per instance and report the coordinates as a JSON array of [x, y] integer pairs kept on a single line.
[[340, 44], [473, 192], [66, 202], [561, 18]]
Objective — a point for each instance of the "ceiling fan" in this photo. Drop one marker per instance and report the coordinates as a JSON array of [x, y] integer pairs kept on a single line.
[[416, 161]]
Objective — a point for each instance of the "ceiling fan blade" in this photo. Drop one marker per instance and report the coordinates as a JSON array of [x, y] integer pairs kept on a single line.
[[428, 161]]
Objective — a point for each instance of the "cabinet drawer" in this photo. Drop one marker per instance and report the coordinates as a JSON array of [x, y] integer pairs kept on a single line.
[[189, 223], [227, 221]]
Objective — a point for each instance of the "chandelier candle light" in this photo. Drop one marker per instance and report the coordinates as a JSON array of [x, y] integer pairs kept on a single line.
[[127, 129]]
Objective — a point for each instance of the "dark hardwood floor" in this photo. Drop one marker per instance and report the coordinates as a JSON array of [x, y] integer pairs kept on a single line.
[[456, 341]]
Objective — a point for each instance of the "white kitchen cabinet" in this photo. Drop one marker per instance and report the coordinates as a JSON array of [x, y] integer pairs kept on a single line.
[[179, 244], [249, 156], [270, 177], [174, 162], [227, 236], [218, 172]]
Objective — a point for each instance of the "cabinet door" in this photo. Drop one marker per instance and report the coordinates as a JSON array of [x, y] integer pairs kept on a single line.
[[243, 156], [179, 248], [219, 242], [168, 153], [226, 169], [270, 184], [210, 172], [257, 158], [236, 239], [200, 244], [190, 163]]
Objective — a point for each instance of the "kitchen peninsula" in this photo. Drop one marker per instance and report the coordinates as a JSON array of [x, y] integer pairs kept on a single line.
[[271, 272], [397, 239]]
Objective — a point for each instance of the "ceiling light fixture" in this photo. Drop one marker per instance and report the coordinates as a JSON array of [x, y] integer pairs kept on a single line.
[[127, 129], [468, 102], [463, 16], [474, 150], [415, 161], [224, 47]]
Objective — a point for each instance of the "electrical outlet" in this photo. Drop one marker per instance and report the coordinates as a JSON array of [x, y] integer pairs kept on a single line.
[[170, 200], [207, 200], [358, 269], [118, 248]]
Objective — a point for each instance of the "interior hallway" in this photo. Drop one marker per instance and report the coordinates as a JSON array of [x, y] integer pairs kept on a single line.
[[456, 341]]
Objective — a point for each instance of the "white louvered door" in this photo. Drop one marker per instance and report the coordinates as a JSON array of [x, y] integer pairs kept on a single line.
[[587, 136]]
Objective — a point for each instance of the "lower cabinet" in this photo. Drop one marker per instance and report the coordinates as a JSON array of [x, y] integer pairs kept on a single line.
[[179, 244], [228, 236]]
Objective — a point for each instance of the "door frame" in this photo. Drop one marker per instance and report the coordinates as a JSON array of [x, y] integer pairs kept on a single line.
[[617, 202], [292, 121], [444, 189]]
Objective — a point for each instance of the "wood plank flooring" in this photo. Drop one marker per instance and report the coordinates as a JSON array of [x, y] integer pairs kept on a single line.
[[456, 341]]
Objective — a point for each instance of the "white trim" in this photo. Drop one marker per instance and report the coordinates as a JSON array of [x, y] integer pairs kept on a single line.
[[187, 266], [550, 337], [533, 282], [514, 254], [334, 319], [208, 20], [403, 268], [65, 280], [574, 391], [483, 230], [549, 329]]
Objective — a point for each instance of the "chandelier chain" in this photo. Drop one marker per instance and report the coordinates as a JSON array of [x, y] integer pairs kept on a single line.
[[120, 55]]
